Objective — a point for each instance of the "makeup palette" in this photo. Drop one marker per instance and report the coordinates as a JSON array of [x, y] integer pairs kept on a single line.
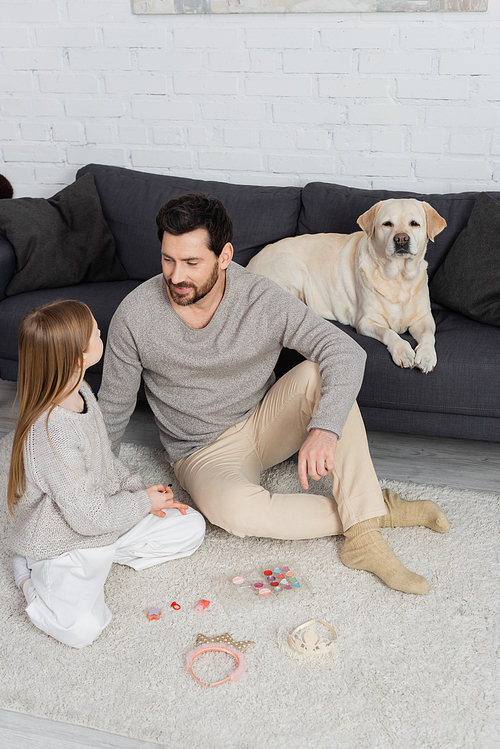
[[273, 580], [277, 584]]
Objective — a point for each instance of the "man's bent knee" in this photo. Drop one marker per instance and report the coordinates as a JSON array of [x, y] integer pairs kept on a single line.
[[306, 373], [303, 380]]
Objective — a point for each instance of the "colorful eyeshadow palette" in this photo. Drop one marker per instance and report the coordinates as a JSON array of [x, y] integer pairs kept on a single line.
[[268, 583], [273, 580]]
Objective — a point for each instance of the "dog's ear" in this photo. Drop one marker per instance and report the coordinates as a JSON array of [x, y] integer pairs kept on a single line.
[[435, 222], [367, 220]]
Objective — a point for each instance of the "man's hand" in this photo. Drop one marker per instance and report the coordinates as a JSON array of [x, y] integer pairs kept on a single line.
[[316, 456]]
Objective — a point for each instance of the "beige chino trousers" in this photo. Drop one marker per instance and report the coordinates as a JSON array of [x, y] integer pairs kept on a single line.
[[223, 478]]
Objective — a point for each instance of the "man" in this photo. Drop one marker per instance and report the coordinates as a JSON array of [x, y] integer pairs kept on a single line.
[[205, 335]]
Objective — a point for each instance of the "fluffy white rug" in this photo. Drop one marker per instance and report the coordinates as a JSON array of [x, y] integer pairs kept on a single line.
[[410, 672]]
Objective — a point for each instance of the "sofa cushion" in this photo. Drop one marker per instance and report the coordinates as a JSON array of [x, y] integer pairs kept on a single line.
[[59, 241], [7, 264], [463, 382], [468, 281], [335, 208], [102, 298], [130, 201]]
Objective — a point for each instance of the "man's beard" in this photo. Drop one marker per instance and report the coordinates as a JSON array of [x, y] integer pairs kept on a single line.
[[199, 291]]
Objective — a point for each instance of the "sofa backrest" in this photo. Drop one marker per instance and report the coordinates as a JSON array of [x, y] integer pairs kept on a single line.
[[335, 208], [7, 264], [131, 200]]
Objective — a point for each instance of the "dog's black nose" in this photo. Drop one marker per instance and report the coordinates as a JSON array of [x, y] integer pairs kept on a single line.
[[401, 239]]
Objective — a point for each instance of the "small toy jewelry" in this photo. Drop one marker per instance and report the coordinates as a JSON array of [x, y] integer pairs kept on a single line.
[[207, 644], [202, 605], [306, 639], [153, 613]]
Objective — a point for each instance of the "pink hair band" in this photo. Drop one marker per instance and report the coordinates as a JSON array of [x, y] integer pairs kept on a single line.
[[237, 673]]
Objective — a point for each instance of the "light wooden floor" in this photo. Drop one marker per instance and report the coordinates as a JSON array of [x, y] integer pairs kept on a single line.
[[463, 464]]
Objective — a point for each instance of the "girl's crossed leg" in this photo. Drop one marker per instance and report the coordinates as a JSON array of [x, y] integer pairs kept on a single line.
[[65, 594]]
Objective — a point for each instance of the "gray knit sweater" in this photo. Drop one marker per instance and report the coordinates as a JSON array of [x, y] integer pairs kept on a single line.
[[200, 382], [78, 494]]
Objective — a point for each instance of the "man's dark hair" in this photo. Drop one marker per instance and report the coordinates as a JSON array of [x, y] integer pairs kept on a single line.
[[193, 211]]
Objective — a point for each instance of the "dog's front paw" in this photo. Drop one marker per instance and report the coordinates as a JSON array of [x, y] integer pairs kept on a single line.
[[425, 358], [402, 354]]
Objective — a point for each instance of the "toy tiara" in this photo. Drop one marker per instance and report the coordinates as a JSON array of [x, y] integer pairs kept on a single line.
[[307, 640]]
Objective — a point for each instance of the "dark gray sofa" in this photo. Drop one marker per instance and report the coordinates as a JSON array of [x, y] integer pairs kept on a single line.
[[460, 398]]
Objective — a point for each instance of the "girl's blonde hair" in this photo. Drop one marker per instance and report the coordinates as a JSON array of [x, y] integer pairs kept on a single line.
[[52, 340]]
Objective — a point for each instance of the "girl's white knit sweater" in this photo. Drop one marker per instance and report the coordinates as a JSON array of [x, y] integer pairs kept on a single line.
[[78, 494]]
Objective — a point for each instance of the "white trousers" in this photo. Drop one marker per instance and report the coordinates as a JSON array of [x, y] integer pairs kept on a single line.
[[65, 594]]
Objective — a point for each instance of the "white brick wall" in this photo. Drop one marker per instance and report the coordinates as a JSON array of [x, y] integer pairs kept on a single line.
[[393, 100]]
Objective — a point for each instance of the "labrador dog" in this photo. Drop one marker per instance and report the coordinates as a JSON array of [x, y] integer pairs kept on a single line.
[[374, 280]]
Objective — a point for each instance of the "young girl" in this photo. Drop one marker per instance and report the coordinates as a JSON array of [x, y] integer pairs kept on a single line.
[[77, 508]]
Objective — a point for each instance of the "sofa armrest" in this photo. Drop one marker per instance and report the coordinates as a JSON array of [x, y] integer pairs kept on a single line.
[[7, 264]]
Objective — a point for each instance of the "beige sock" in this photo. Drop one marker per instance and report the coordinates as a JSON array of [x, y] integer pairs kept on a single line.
[[365, 549], [402, 513]]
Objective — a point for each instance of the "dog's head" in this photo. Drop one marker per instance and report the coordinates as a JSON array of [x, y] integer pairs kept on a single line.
[[400, 228]]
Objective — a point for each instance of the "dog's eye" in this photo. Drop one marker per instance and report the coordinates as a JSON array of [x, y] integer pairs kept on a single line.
[[387, 223], [414, 223]]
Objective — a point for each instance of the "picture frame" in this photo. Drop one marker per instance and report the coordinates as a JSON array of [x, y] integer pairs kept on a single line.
[[197, 7]]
